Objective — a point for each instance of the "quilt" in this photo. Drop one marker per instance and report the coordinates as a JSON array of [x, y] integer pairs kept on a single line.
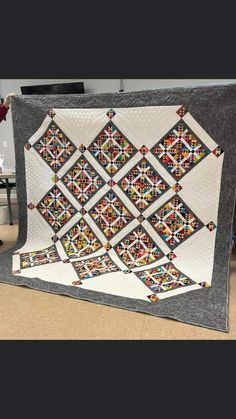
[[128, 199]]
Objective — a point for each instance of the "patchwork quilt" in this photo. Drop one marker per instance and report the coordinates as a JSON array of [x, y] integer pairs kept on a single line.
[[124, 204]]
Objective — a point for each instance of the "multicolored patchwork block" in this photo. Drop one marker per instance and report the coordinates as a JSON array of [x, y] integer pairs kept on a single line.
[[138, 248], [39, 257], [82, 180], [112, 149], [153, 298], [110, 214], [55, 178], [56, 209], [55, 147], [218, 151], [177, 187], [51, 113], [211, 226], [93, 267], [204, 284], [80, 240], [181, 111], [111, 113], [180, 150], [175, 222], [171, 256], [31, 206], [82, 148], [164, 278], [143, 185], [27, 146], [144, 150]]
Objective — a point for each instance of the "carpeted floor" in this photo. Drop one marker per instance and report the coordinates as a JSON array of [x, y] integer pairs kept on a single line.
[[30, 314]]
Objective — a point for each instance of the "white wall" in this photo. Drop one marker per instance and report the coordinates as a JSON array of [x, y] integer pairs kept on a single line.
[[91, 86]]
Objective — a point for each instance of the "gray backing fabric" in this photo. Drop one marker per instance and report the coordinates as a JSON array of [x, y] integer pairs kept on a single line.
[[214, 108]]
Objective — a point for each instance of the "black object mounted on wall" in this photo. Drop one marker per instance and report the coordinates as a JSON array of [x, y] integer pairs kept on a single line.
[[121, 86], [53, 89]]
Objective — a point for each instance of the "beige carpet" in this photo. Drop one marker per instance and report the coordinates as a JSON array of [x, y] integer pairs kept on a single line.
[[30, 314]]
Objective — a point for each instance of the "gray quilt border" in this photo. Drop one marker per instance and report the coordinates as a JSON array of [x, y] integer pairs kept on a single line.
[[214, 109]]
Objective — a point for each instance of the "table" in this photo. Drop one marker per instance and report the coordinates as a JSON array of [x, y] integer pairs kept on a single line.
[[4, 178]]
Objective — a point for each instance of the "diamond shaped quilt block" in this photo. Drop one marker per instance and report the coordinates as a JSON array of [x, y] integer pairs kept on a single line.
[[218, 151], [110, 214], [143, 185], [39, 257], [56, 209], [164, 278], [180, 150], [112, 149], [138, 248], [94, 267], [80, 240], [82, 180], [175, 222], [55, 147], [211, 226]]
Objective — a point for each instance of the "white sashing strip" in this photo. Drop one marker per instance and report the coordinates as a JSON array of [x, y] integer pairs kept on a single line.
[[127, 202], [113, 255], [98, 195], [61, 250], [96, 166], [127, 167], [96, 254], [160, 169], [159, 203], [69, 195], [73, 221], [123, 233], [200, 132], [152, 233], [95, 228], [67, 166]]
